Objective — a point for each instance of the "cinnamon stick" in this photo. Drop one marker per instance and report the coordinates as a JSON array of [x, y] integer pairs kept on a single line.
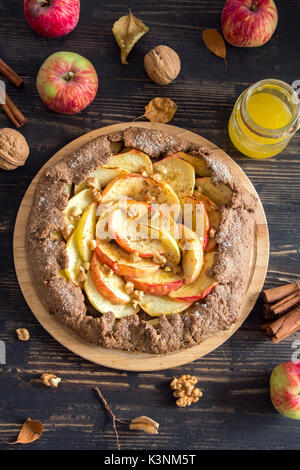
[[13, 112], [278, 293], [286, 304], [284, 326], [267, 312], [10, 74]]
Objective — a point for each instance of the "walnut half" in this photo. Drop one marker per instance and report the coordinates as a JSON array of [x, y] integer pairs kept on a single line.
[[185, 391], [143, 423]]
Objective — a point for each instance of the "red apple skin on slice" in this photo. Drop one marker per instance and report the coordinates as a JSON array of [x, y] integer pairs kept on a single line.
[[192, 254], [160, 283], [112, 287], [131, 234], [119, 260], [202, 286]]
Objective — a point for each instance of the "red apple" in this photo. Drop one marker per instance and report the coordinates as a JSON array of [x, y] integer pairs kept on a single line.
[[249, 23], [285, 389], [67, 82], [52, 18]]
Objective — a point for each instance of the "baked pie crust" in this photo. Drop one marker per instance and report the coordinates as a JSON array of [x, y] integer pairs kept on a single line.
[[235, 238]]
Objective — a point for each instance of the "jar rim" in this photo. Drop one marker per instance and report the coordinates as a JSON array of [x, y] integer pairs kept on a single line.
[[260, 130]]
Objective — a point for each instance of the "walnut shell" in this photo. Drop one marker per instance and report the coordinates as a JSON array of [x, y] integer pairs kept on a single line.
[[162, 64], [14, 149]]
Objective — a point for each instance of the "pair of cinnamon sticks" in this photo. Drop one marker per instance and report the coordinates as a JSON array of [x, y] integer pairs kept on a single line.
[[282, 305], [11, 110]]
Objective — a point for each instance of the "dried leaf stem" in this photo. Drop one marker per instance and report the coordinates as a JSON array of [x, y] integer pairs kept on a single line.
[[113, 416]]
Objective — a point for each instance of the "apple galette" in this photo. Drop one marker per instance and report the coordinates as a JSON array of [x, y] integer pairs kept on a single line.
[[142, 241]]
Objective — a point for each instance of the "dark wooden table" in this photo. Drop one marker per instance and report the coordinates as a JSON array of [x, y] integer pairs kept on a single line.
[[235, 411]]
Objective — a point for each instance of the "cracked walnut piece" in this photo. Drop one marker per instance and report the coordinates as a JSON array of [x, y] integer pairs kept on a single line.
[[185, 390], [23, 334], [50, 380]]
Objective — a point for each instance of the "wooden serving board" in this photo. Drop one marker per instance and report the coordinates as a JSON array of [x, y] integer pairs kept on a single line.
[[122, 359]]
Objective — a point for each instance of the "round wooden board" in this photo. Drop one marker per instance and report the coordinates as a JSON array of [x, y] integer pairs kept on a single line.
[[122, 359]]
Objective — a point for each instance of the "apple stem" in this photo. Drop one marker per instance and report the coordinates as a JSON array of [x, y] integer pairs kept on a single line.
[[253, 6], [45, 3], [69, 76]]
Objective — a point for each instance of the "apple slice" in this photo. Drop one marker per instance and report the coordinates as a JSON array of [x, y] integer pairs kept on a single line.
[[160, 283], [103, 176], [133, 236], [219, 193], [79, 202], [110, 285], [85, 232], [195, 217], [74, 259], [103, 305], [120, 262], [192, 254], [170, 248], [178, 173], [211, 208], [140, 188], [201, 287], [157, 305], [198, 163], [133, 161]]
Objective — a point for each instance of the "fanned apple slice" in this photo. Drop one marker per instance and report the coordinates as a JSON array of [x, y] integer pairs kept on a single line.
[[74, 259], [195, 217], [170, 248], [178, 173], [198, 163], [133, 236], [103, 176], [121, 262], [201, 287], [109, 284], [133, 161], [160, 283], [157, 305], [85, 231], [192, 254], [211, 208], [103, 305], [219, 193], [77, 204], [142, 188]]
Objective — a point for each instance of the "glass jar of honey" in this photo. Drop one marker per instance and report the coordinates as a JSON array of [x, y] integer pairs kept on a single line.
[[264, 119]]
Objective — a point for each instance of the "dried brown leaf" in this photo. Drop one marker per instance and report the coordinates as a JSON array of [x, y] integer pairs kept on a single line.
[[143, 423], [127, 31], [160, 110], [215, 43], [30, 432]]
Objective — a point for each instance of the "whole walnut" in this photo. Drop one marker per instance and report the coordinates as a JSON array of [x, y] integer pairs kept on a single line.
[[14, 149], [162, 64]]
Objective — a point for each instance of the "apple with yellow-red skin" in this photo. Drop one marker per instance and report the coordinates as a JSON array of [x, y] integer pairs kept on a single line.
[[52, 18], [285, 389], [67, 82], [249, 23]]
